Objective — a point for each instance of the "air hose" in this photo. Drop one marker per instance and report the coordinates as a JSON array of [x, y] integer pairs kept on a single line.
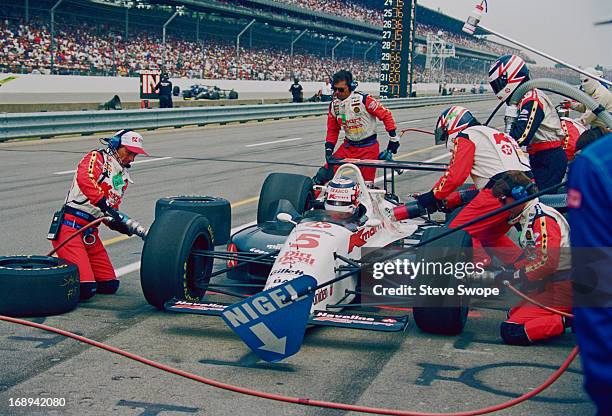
[[562, 88], [291, 399]]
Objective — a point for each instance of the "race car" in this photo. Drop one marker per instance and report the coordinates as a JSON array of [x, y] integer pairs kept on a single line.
[[208, 92], [300, 264]]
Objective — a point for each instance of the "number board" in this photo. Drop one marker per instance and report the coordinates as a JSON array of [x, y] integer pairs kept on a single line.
[[397, 48], [148, 81]]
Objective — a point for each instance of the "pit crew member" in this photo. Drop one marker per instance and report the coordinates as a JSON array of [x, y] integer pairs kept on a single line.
[[355, 113], [97, 190], [164, 89], [599, 93], [572, 130], [537, 125], [543, 269], [484, 154], [590, 204]]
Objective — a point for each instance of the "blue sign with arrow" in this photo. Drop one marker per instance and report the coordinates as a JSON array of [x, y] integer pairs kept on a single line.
[[272, 323]]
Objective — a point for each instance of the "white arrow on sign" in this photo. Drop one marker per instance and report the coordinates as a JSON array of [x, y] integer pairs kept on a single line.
[[270, 341]]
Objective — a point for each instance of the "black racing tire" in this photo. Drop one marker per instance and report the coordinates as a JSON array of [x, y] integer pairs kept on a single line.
[[215, 95], [233, 95], [297, 189], [37, 286], [434, 315], [168, 267], [217, 211]]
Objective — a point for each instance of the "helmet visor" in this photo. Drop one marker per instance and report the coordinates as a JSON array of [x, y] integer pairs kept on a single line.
[[440, 135], [498, 84]]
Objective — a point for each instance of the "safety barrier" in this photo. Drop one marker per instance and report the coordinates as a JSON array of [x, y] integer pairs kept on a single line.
[[22, 125]]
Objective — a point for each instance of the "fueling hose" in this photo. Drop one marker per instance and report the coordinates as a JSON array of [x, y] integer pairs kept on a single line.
[[562, 88], [291, 399], [134, 226], [404, 131]]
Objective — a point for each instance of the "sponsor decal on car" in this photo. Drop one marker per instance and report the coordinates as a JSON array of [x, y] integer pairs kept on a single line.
[[199, 306], [293, 257], [359, 238], [258, 251]]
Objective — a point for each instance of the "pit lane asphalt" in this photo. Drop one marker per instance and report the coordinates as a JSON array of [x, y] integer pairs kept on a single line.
[[408, 371]]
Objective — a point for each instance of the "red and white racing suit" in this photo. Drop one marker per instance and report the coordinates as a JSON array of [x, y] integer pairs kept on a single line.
[[99, 175], [539, 128], [547, 260], [485, 154], [572, 130], [357, 115]]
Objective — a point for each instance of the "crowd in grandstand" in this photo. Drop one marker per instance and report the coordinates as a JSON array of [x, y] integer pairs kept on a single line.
[[351, 9], [26, 48], [354, 10]]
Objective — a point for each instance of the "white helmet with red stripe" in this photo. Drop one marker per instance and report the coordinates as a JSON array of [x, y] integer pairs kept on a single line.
[[506, 74], [342, 195], [451, 122]]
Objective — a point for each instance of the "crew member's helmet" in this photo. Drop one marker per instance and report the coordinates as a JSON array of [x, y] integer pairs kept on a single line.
[[506, 74], [342, 196], [453, 121]]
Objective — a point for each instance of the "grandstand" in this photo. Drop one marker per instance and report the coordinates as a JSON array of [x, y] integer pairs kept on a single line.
[[283, 38]]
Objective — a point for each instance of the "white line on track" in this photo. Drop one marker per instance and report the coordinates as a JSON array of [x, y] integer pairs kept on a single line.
[[157, 159], [132, 267], [411, 121], [274, 142]]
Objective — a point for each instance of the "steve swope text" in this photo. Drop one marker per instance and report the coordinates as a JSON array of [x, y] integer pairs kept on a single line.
[[412, 269]]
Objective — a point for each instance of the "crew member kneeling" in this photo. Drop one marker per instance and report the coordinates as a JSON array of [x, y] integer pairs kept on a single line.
[[484, 154], [97, 190], [544, 267]]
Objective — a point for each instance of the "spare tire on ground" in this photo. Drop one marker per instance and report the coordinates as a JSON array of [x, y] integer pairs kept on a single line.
[[168, 267], [37, 286], [217, 211], [297, 189], [445, 315]]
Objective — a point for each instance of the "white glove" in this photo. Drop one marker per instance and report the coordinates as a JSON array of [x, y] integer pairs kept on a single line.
[[511, 111]]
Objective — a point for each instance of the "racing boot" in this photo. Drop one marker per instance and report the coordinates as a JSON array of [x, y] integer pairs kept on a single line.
[[88, 290], [108, 287]]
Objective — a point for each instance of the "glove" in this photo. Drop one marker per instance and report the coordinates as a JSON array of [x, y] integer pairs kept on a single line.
[[428, 201], [511, 275], [386, 155], [329, 151], [511, 111], [119, 219], [566, 105], [394, 143]]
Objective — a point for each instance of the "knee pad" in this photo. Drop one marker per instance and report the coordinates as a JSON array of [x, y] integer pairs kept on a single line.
[[88, 290], [108, 287], [514, 334]]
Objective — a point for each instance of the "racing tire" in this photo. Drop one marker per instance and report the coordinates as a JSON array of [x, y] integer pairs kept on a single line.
[[233, 95], [296, 189], [217, 211], [443, 315], [168, 267], [37, 286]]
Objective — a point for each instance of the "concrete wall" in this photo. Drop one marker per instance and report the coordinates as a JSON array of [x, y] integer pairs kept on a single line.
[[30, 88]]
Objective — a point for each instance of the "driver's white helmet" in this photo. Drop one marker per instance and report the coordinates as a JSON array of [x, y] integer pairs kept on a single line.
[[342, 195]]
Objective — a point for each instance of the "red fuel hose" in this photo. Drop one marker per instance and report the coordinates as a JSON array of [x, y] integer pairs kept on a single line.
[[535, 302], [81, 230], [402, 132], [297, 400]]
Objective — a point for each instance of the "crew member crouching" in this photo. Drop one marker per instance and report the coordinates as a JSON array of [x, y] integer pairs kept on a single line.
[[97, 189], [484, 154], [544, 267]]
